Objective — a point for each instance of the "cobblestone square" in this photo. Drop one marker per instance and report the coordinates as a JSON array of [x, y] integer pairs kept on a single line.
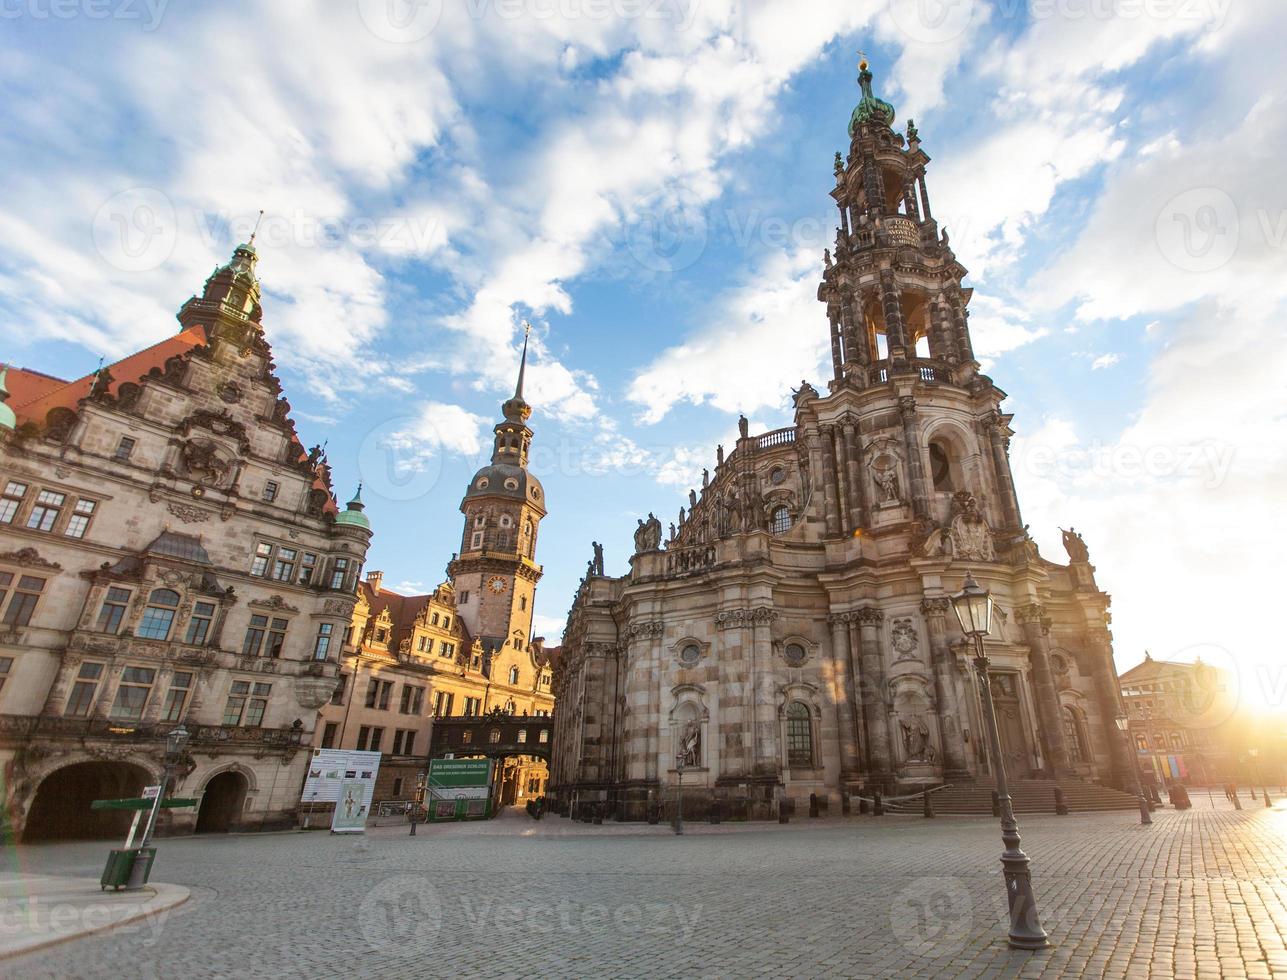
[[1201, 893]]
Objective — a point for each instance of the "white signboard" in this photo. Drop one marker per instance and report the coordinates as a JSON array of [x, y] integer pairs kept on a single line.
[[342, 775]]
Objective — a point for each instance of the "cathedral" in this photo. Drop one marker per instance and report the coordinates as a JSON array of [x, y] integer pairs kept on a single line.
[[792, 635]]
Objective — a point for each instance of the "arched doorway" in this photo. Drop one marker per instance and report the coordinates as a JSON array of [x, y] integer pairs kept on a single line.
[[221, 803], [60, 809]]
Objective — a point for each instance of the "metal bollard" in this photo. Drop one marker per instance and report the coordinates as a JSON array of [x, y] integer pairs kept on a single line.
[[877, 807], [813, 806], [927, 808], [996, 804], [1061, 808]]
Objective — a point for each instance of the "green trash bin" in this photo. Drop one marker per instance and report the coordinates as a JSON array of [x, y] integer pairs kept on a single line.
[[120, 863]]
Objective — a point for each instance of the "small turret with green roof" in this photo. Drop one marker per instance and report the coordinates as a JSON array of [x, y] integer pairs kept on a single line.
[[352, 514]]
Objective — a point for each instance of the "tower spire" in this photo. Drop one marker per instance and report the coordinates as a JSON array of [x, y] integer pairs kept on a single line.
[[522, 363]]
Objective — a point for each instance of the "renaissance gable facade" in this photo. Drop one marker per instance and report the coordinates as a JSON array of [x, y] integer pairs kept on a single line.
[[793, 634], [169, 555]]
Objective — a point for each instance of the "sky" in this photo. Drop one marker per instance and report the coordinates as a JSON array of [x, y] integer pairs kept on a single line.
[[646, 182]]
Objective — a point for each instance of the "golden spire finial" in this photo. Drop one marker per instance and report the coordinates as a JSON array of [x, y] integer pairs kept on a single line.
[[862, 60], [256, 229]]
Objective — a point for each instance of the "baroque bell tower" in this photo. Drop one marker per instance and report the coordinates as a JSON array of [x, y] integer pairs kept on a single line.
[[495, 573]]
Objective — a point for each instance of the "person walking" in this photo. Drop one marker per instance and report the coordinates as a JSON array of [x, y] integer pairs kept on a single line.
[[414, 814]]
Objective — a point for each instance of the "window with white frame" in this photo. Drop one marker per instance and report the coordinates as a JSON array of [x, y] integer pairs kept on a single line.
[[176, 699], [264, 637], [322, 645], [338, 572], [307, 568], [23, 602], [78, 523], [158, 614], [43, 516], [284, 566], [11, 500]]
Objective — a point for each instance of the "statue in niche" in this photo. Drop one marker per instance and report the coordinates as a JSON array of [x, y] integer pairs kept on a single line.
[[971, 536], [1074, 545], [690, 744], [887, 482], [916, 740]]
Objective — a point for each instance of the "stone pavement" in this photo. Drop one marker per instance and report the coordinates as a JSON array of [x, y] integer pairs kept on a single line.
[[1200, 893], [40, 910]]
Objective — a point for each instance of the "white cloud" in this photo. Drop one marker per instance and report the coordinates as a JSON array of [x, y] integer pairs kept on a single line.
[[449, 428], [1105, 361]]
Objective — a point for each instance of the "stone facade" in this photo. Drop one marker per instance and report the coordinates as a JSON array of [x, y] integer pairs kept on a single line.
[[183, 561], [794, 635]]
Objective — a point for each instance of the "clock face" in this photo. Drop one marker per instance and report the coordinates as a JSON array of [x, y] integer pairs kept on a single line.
[[496, 584]]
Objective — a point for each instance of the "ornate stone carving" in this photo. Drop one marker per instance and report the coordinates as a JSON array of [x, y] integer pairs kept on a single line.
[[337, 607], [905, 640], [28, 558], [870, 616], [204, 463], [655, 628], [1075, 546], [916, 739], [189, 514], [936, 606], [275, 603], [648, 534], [970, 535]]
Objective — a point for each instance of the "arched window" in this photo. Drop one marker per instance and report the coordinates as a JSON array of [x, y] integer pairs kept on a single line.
[[1141, 743], [513, 675], [1177, 740], [1077, 751], [158, 617], [799, 736], [780, 522], [940, 466]]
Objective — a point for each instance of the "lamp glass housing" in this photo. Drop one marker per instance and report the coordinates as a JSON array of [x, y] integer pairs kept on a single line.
[[973, 608]]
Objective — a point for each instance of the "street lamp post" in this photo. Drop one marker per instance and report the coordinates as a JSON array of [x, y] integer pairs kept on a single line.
[[973, 608], [679, 793], [174, 743], [1123, 726]]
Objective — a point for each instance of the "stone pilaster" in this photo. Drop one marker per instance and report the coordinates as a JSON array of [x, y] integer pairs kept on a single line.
[[853, 476], [875, 711], [768, 758], [1036, 627], [734, 675], [912, 446], [998, 442], [841, 456], [844, 693], [950, 716], [830, 496], [1099, 642], [892, 304]]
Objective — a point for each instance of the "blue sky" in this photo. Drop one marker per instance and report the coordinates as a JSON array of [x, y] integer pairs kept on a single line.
[[647, 183]]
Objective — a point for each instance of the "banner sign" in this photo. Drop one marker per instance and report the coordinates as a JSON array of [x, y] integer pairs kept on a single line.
[[346, 778], [459, 789]]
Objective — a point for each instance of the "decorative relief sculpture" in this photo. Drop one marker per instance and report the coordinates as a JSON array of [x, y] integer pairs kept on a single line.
[[971, 537], [905, 640], [203, 462], [189, 515], [916, 740], [884, 471], [690, 744], [1074, 545]]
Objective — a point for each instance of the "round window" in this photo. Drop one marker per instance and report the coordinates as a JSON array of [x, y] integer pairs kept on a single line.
[[511, 484], [794, 654], [777, 476], [482, 483], [505, 520], [690, 654]]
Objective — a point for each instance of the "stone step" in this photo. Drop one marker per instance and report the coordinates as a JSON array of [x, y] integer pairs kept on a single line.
[[1027, 796]]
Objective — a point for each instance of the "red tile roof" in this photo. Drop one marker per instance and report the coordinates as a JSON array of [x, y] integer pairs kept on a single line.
[[32, 394]]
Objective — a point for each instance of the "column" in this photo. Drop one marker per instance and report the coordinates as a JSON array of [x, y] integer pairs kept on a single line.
[[634, 743], [827, 478], [997, 440], [873, 182], [768, 755], [925, 205], [1036, 629], [950, 716], [734, 748], [960, 326], [912, 446], [837, 356], [841, 456], [857, 351], [853, 476], [844, 695], [892, 304], [1099, 642], [869, 621]]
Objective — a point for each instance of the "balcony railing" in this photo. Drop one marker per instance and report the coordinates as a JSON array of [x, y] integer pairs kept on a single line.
[[138, 731], [778, 437]]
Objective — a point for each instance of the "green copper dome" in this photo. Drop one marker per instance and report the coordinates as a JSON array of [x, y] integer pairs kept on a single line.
[[352, 514], [870, 109]]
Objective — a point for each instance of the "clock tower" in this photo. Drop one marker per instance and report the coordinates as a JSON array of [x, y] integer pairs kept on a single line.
[[495, 574]]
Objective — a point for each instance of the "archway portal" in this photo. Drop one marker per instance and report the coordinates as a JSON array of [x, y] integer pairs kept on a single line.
[[60, 809], [221, 803]]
